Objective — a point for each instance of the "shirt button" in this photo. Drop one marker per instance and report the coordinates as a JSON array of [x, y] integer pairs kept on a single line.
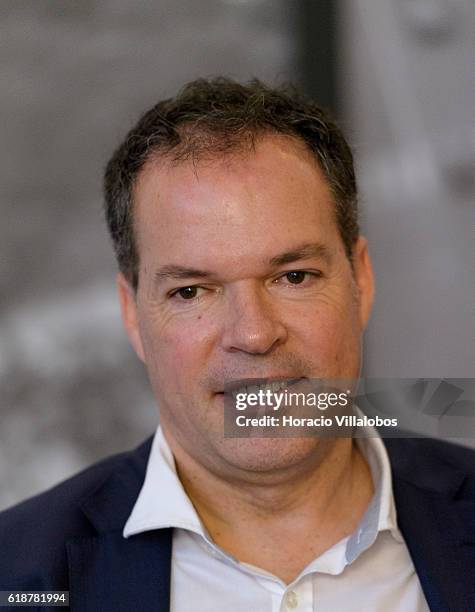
[[291, 600]]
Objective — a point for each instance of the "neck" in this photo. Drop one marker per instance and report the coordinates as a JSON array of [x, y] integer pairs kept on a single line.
[[296, 516]]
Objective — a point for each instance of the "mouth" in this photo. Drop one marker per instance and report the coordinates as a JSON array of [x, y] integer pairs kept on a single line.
[[255, 385]]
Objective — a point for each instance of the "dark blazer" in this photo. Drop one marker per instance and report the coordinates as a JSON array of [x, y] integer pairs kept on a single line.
[[70, 538]]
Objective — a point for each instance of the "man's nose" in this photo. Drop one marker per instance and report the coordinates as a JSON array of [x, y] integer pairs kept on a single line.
[[252, 324]]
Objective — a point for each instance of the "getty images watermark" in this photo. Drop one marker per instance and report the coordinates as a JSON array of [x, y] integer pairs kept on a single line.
[[357, 408]]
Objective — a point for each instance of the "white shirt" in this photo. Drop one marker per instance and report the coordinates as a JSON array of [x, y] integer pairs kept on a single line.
[[369, 570]]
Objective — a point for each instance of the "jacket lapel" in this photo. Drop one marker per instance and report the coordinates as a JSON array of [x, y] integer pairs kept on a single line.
[[108, 572], [437, 523]]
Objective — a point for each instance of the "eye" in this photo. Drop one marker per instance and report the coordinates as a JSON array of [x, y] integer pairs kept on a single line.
[[186, 293], [299, 277]]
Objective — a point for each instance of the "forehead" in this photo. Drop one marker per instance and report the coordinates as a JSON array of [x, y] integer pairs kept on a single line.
[[247, 203]]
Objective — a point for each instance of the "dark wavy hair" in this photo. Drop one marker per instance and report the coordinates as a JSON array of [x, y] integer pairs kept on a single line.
[[212, 117]]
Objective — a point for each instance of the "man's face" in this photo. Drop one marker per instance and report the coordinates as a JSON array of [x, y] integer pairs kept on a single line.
[[243, 274]]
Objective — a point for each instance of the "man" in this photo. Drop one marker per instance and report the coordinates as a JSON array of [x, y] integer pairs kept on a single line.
[[233, 214]]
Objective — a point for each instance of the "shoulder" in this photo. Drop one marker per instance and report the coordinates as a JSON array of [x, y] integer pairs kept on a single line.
[[432, 461], [432, 450], [33, 533]]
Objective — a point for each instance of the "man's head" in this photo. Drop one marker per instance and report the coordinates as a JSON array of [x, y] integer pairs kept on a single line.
[[233, 213]]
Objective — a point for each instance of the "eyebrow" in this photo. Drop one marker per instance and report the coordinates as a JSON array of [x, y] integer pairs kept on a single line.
[[180, 272], [309, 250]]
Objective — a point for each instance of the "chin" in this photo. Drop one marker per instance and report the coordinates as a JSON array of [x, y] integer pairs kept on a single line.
[[259, 455]]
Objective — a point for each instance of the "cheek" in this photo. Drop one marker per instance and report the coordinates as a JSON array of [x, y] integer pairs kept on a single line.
[[176, 350], [330, 335]]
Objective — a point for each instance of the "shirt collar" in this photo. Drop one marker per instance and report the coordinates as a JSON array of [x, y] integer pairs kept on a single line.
[[380, 515], [163, 502]]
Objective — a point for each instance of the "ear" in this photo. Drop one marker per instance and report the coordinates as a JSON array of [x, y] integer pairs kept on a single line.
[[128, 308], [364, 278]]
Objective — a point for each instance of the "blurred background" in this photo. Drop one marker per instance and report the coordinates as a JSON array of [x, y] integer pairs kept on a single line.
[[74, 78]]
